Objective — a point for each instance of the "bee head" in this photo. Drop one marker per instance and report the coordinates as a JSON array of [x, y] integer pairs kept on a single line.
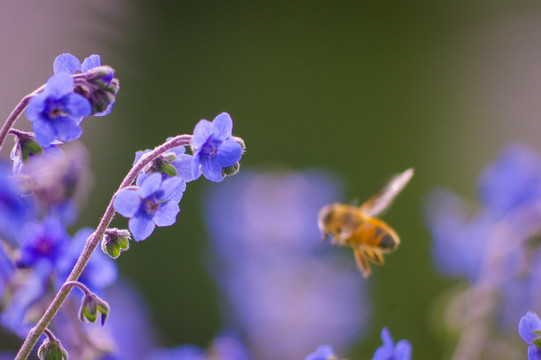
[[325, 218]]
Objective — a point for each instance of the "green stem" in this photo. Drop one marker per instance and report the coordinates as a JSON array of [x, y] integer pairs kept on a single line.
[[91, 244]]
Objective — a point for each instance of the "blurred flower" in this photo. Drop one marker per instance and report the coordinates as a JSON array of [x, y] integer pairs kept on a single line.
[[15, 210], [43, 242], [268, 258], [494, 248], [58, 181], [214, 148], [154, 203], [57, 111], [390, 351], [323, 352], [225, 346], [510, 208], [527, 326]]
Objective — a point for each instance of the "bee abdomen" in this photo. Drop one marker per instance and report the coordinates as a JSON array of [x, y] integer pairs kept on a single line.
[[387, 242]]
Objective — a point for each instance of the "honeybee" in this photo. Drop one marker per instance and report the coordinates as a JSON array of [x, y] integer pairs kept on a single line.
[[368, 236]]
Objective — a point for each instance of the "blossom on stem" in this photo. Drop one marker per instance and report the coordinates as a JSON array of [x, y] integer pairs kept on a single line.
[[214, 147], [529, 329], [57, 111], [154, 203], [390, 351], [98, 84]]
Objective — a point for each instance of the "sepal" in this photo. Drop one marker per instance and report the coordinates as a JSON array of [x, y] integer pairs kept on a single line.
[[91, 306], [115, 241], [52, 349]]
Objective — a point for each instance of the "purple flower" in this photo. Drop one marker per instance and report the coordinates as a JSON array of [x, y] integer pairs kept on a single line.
[[57, 111], [323, 352], [154, 203], [43, 242], [14, 209], [526, 327], [390, 351], [214, 148], [98, 85]]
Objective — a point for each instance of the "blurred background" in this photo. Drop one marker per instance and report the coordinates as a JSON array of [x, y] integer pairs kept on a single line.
[[355, 90]]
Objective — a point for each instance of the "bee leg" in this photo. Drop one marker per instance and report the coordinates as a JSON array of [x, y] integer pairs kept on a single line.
[[325, 237], [375, 256], [362, 262]]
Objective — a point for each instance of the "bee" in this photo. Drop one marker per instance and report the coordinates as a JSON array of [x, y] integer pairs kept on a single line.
[[359, 228]]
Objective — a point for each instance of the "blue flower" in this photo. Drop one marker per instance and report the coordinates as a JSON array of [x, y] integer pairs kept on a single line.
[[214, 148], [57, 111], [526, 327], [43, 242], [99, 85], [390, 351], [323, 352], [154, 203], [14, 209]]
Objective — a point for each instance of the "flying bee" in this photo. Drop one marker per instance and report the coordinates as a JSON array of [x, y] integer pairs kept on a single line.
[[358, 227]]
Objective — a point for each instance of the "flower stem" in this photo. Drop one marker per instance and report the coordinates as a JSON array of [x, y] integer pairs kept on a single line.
[[91, 244], [15, 114]]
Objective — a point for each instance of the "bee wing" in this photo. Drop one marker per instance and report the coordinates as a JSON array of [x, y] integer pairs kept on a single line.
[[381, 201], [362, 262]]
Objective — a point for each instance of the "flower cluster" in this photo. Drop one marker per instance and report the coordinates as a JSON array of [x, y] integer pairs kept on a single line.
[[40, 195]]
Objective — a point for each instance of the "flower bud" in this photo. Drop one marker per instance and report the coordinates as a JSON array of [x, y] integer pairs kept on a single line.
[[115, 241], [100, 87], [231, 170], [91, 306], [52, 349]]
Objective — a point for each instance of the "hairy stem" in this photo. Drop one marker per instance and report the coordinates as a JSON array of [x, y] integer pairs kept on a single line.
[[15, 114], [91, 244]]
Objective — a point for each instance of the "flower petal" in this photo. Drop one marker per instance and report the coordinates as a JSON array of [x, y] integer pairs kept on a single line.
[[528, 323], [127, 202], [229, 153], [150, 185], [59, 85], [386, 338], [91, 62], [36, 106], [201, 133], [77, 105], [172, 185], [184, 166], [222, 126], [166, 214], [66, 129], [212, 170], [45, 133], [402, 350], [141, 227], [66, 63]]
